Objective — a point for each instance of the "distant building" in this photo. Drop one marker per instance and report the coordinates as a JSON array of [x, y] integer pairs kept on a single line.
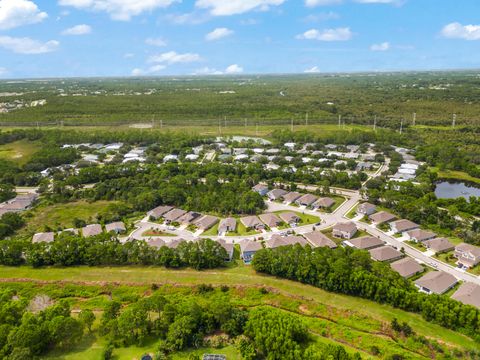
[[381, 217], [403, 225], [324, 203], [92, 230], [227, 225], [229, 248], [364, 243], [306, 200], [419, 235], [290, 218], [271, 220], [173, 215], [439, 245], [366, 209], [319, 239], [261, 189], [276, 194], [249, 248], [469, 294], [291, 197], [252, 222], [116, 227], [205, 222], [159, 211]]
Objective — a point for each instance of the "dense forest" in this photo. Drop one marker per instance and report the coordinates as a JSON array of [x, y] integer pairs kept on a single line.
[[353, 272], [357, 98]]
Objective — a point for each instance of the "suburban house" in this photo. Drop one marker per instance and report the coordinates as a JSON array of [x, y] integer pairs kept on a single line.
[[366, 209], [271, 220], [229, 248], [306, 200], [403, 225], [252, 222], [364, 243], [439, 245], [469, 294], [19, 203], [159, 211], [436, 282], [276, 194], [156, 242], [249, 248], [290, 218], [92, 230], [205, 222], [324, 203], [385, 254], [173, 244], [319, 239], [291, 197], [173, 215], [117, 227], [189, 217], [47, 237], [277, 241], [381, 217], [467, 255], [407, 267], [345, 230], [227, 225], [419, 235], [261, 189]]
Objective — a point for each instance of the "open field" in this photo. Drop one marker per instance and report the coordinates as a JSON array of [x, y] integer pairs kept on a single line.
[[19, 151], [63, 215], [455, 175], [354, 323]]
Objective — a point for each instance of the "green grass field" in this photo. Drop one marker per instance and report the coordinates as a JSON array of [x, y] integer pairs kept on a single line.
[[355, 323], [62, 215], [455, 175], [19, 151]]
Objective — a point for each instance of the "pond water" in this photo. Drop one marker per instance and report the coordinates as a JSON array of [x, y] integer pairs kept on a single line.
[[453, 190]]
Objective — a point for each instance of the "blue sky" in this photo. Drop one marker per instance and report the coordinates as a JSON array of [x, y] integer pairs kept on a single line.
[[59, 38]]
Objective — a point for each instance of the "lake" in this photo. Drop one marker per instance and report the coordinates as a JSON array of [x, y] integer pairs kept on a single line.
[[453, 190]]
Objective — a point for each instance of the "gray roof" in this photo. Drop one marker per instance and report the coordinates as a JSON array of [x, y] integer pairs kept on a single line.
[[160, 210], [289, 217], [345, 227], [365, 242], [92, 230], [251, 221], [206, 222], [324, 202], [157, 242], [174, 214], [250, 245], [472, 249], [271, 220], [188, 217], [439, 245], [291, 196], [436, 281], [468, 293], [43, 237], [364, 207], [115, 226], [404, 225], [307, 199], [382, 217], [228, 223], [276, 193], [260, 187], [385, 253], [319, 239], [420, 235], [406, 267]]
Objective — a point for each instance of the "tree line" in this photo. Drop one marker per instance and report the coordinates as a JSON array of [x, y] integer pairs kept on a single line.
[[105, 250], [353, 272]]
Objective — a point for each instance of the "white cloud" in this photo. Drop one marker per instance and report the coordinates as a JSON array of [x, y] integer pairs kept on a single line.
[[78, 30], [14, 13], [192, 18], [159, 42], [27, 45], [380, 47], [230, 70], [315, 3], [312, 70], [456, 30], [321, 17], [218, 34], [338, 34], [234, 7], [234, 69], [173, 57], [152, 70], [122, 10]]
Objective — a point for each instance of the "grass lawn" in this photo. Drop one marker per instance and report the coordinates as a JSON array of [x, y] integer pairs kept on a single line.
[[339, 200], [418, 246], [447, 258], [62, 215], [213, 231], [349, 320], [455, 175], [19, 151], [153, 232], [305, 219], [352, 213], [242, 231]]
